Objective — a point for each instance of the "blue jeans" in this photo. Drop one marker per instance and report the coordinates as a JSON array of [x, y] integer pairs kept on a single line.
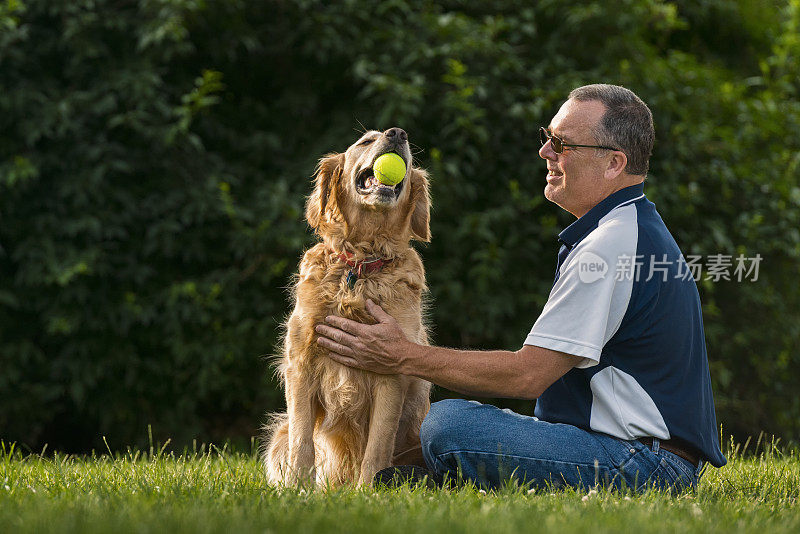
[[487, 445]]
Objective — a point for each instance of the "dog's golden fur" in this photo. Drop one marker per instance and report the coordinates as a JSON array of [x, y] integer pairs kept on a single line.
[[342, 424]]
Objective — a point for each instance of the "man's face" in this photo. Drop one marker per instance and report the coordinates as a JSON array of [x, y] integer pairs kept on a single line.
[[575, 178]]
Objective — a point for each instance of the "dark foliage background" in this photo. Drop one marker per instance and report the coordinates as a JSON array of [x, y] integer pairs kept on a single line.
[[155, 155]]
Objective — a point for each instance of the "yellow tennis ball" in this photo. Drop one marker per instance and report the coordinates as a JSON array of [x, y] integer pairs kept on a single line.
[[389, 168]]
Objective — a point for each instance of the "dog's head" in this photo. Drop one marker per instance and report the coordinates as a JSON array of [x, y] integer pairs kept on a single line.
[[350, 204]]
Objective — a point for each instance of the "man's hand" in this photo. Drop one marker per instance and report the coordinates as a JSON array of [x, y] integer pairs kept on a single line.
[[380, 348]]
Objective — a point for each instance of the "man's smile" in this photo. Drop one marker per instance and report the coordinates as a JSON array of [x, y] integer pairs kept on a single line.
[[553, 174]]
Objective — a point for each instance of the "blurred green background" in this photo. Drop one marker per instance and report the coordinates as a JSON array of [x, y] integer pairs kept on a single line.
[[155, 156]]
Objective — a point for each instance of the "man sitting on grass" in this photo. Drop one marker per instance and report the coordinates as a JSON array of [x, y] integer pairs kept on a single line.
[[617, 359]]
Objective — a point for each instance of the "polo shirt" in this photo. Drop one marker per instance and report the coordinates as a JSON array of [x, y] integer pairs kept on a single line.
[[625, 302]]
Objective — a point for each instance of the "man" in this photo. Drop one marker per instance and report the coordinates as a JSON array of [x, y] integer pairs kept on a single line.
[[617, 359]]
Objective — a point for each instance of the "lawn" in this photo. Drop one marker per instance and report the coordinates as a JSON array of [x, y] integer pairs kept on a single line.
[[212, 490]]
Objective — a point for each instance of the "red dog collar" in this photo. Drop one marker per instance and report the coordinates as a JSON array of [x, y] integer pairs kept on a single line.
[[359, 268]]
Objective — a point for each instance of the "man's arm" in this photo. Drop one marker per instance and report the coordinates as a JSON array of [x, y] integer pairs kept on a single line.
[[523, 374], [383, 348]]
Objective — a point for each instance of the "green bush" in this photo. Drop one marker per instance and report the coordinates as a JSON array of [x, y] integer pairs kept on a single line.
[[155, 155]]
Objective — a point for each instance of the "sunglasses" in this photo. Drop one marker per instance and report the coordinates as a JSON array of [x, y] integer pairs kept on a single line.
[[559, 145]]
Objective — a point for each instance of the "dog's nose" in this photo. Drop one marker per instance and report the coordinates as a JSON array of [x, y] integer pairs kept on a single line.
[[396, 134]]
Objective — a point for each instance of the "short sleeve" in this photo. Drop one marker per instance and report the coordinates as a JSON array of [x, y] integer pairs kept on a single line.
[[589, 300]]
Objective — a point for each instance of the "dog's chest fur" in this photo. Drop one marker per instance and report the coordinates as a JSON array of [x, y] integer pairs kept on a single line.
[[322, 290]]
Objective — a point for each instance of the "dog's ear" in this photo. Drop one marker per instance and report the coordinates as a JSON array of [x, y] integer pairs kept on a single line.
[[328, 171], [421, 202]]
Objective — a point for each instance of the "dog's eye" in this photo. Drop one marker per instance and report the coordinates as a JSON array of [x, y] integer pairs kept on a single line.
[[366, 142]]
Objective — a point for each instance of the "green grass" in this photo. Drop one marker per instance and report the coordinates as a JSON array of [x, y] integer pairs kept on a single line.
[[220, 491]]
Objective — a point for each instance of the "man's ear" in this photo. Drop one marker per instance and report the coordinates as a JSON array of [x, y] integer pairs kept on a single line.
[[421, 202], [616, 165], [328, 170]]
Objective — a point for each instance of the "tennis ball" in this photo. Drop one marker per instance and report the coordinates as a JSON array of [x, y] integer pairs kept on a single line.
[[390, 169]]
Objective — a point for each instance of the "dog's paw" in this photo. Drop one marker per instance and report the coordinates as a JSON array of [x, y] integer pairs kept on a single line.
[[302, 478], [367, 474]]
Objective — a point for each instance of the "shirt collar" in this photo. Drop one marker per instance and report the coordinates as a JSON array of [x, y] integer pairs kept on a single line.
[[573, 233]]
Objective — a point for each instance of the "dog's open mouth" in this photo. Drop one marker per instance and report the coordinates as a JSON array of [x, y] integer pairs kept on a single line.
[[367, 182]]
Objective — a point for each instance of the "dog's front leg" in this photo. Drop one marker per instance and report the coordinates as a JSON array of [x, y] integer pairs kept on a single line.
[[301, 410], [387, 405]]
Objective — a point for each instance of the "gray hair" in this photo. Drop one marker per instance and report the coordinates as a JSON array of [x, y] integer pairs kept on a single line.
[[627, 123]]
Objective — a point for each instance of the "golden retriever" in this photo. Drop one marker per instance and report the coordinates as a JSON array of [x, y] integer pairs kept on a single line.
[[342, 425]]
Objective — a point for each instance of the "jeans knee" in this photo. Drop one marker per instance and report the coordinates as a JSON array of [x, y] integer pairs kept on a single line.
[[440, 427]]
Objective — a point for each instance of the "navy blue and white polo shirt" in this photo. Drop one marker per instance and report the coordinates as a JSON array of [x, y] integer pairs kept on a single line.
[[624, 301]]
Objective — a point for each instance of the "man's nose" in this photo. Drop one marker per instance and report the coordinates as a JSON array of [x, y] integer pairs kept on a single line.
[[547, 152], [398, 135]]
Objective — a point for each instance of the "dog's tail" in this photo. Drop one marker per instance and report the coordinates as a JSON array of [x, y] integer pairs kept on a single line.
[[275, 452]]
